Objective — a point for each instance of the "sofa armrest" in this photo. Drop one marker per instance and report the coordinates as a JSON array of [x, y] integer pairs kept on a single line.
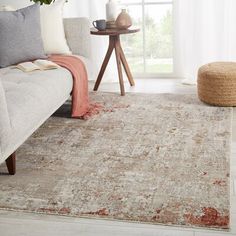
[[77, 31]]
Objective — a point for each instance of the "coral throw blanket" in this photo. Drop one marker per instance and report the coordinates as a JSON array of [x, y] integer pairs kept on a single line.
[[80, 98]]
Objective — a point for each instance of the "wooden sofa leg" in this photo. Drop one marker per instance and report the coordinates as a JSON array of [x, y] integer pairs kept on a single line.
[[11, 164]]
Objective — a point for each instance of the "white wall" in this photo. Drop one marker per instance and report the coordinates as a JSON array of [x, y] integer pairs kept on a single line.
[[74, 8]]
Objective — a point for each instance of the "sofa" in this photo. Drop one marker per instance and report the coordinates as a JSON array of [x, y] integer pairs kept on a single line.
[[27, 100]]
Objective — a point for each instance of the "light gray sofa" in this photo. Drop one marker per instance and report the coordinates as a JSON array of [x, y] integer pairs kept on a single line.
[[27, 100]]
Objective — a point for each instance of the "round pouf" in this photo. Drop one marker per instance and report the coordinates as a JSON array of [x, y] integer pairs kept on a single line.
[[217, 84]]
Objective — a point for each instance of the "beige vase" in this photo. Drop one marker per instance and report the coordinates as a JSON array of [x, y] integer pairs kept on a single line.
[[123, 21]]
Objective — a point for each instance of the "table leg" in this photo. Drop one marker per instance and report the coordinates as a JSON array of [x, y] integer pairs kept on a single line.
[[114, 43], [118, 61], [126, 67], [105, 62]]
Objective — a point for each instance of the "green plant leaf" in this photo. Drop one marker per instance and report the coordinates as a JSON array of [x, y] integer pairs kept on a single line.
[[43, 1]]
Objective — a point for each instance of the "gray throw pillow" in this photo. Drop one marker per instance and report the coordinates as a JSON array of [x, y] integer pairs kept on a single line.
[[20, 36]]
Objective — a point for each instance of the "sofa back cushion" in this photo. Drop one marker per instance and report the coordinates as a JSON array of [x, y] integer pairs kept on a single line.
[[20, 36], [52, 26]]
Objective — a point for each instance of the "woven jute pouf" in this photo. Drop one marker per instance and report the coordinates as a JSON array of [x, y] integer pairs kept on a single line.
[[217, 84]]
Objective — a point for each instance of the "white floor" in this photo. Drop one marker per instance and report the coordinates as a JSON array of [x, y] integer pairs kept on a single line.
[[28, 224]]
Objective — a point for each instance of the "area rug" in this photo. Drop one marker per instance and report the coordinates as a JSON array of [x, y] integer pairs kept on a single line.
[[160, 159]]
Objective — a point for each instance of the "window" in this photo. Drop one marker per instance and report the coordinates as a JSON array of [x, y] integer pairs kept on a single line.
[[150, 52]]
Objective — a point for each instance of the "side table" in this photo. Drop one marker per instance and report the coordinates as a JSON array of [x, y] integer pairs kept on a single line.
[[114, 43]]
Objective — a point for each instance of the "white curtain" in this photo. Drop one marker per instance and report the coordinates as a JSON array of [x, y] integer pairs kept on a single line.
[[204, 31]]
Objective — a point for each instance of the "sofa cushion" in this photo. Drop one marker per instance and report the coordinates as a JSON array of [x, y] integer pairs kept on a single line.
[[31, 99], [52, 26], [20, 36]]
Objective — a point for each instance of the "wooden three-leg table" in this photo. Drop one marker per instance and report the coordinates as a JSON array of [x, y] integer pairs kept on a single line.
[[114, 43]]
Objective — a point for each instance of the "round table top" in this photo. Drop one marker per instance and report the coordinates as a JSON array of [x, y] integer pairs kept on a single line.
[[114, 31]]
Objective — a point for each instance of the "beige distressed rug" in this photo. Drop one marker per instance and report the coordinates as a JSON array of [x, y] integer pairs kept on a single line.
[[161, 159]]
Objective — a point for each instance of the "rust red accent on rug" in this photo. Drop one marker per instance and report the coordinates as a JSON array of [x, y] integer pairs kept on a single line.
[[209, 217], [93, 110], [96, 108]]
